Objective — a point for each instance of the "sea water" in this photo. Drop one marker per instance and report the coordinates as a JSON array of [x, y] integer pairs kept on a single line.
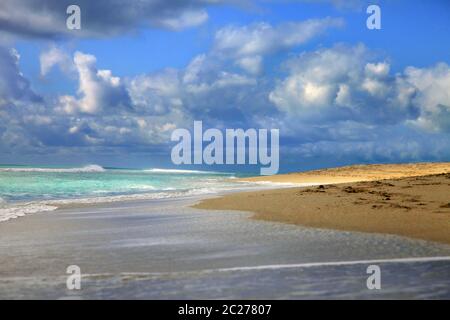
[[25, 190]]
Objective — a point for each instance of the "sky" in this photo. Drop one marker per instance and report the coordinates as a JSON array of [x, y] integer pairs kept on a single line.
[[112, 92]]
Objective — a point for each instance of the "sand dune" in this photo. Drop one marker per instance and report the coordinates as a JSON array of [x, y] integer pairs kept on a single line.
[[358, 173]]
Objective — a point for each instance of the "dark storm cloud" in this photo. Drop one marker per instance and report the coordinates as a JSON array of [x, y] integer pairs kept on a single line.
[[100, 18]]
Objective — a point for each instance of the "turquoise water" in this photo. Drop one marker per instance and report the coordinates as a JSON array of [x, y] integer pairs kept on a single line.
[[25, 183], [25, 190]]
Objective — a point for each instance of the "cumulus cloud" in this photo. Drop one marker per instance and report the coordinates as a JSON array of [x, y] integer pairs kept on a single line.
[[100, 117], [47, 19], [98, 89], [156, 93], [204, 89], [247, 45], [342, 101], [430, 91], [18, 104], [56, 57], [341, 95], [13, 85], [198, 80], [387, 146], [343, 83]]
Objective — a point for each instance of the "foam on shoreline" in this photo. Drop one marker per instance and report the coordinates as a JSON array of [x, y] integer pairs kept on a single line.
[[15, 210]]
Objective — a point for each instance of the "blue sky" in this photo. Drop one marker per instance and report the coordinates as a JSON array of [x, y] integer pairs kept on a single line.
[[112, 92]]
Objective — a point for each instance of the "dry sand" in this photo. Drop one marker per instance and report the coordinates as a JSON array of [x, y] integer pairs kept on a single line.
[[358, 173], [410, 200]]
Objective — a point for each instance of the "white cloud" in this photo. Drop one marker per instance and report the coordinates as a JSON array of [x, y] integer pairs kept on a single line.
[[380, 69], [252, 64], [341, 83], [202, 82], [430, 92], [98, 89], [186, 19], [223, 80], [262, 38], [247, 45], [56, 57], [156, 93]]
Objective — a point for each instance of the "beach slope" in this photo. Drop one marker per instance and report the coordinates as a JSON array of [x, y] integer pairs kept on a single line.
[[409, 200]]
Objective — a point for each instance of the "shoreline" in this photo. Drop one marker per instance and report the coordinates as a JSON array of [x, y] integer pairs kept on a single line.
[[364, 198], [406, 200], [166, 249], [19, 209]]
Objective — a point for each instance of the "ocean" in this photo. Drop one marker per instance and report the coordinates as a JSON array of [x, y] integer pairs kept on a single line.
[[26, 190]]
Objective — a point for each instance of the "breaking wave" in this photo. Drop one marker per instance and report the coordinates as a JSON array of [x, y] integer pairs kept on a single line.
[[13, 211]]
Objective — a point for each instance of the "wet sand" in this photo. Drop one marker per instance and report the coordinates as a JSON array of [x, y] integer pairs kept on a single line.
[[416, 207], [167, 250]]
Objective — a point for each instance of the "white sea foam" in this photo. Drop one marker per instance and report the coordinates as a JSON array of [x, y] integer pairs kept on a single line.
[[88, 168], [129, 197], [16, 211], [13, 211]]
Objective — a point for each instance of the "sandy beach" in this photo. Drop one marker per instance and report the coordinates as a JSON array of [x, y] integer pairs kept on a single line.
[[358, 173], [409, 200], [304, 243]]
